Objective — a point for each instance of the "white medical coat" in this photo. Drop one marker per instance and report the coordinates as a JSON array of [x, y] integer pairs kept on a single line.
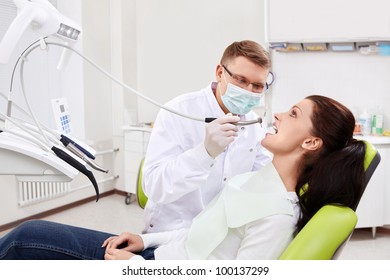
[[179, 176]]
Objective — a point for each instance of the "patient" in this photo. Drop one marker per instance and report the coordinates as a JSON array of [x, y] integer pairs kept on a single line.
[[315, 162]]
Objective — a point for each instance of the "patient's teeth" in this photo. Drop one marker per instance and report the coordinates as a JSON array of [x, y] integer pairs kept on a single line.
[[270, 129]]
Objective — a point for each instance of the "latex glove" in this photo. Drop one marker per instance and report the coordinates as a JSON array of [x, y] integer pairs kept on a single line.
[[220, 133]]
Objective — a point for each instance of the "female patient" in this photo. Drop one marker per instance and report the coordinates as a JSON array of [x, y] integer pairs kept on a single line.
[[315, 162]]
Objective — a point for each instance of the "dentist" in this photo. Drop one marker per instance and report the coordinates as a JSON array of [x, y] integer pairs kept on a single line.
[[187, 162]]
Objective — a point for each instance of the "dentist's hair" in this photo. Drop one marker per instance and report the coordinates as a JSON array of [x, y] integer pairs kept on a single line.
[[335, 173], [249, 49]]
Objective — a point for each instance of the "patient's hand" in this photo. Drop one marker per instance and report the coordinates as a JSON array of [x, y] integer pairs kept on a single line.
[[134, 242], [117, 254]]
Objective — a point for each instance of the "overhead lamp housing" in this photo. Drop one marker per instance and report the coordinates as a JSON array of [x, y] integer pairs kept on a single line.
[[41, 16]]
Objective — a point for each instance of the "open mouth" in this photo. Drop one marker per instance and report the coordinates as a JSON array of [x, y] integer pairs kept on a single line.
[[272, 129]]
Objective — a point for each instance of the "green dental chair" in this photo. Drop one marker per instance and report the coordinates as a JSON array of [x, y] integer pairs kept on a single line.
[[141, 197], [328, 231]]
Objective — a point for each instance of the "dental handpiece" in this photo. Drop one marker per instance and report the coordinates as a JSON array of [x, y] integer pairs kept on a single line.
[[80, 154], [240, 123]]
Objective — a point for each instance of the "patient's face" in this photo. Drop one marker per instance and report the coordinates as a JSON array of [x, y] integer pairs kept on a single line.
[[292, 128]]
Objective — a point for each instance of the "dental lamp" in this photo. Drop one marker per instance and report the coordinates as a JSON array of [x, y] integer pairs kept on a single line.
[[22, 152], [43, 18]]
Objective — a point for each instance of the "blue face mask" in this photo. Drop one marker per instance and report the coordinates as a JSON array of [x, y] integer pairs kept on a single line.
[[240, 101]]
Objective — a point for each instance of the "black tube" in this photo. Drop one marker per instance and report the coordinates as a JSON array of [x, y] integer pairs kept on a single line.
[[80, 167]]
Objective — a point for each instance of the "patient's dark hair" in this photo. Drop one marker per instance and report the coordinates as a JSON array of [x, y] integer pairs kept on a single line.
[[335, 174]]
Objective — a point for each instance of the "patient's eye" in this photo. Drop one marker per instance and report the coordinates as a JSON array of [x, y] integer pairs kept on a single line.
[[293, 113]]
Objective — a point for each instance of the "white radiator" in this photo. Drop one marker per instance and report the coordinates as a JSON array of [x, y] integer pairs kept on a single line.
[[31, 192]]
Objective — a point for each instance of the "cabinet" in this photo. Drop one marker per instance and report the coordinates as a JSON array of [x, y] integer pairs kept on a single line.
[[136, 143], [373, 210]]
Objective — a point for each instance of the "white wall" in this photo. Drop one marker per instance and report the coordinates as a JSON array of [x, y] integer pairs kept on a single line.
[[335, 20], [179, 43]]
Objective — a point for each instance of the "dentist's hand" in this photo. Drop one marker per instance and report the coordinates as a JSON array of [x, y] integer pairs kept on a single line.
[[220, 133]]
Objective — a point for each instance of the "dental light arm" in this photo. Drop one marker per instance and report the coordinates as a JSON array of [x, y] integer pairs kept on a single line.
[[43, 18]]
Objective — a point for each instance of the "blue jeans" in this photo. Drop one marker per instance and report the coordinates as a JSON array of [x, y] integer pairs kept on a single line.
[[44, 240]]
